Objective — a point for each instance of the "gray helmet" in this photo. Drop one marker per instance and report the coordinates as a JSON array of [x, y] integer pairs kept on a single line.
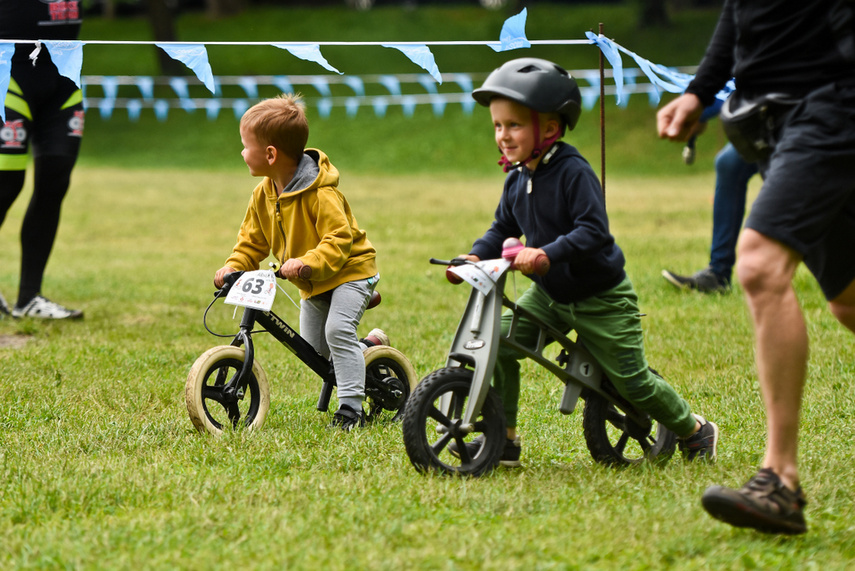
[[536, 83]]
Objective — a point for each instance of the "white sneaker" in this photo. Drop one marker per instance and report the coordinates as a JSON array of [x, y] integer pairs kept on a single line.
[[4, 307], [42, 308], [377, 337]]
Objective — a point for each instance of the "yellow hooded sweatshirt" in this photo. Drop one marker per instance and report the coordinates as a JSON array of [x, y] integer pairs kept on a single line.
[[314, 224]]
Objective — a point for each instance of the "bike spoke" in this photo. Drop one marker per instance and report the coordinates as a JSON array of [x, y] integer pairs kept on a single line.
[[233, 412], [463, 450], [213, 393], [615, 418], [437, 415], [440, 444], [620, 445]]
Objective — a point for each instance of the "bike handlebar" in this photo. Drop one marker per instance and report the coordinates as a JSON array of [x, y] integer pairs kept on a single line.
[[541, 266]]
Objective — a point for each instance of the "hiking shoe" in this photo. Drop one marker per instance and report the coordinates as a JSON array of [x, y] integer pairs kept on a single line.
[[347, 418], [702, 444], [42, 308], [763, 503], [705, 281], [510, 455], [4, 307], [376, 337]]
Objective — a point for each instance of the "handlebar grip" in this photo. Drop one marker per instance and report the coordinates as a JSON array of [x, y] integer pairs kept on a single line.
[[452, 277], [305, 272], [541, 265]]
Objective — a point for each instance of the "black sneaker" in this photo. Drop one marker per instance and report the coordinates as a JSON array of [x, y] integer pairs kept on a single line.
[[763, 503], [702, 444], [346, 418], [510, 455], [705, 281]]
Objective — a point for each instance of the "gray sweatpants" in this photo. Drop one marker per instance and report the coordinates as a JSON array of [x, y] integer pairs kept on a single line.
[[329, 321]]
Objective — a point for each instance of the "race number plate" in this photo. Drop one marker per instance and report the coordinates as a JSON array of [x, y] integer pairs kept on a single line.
[[255, 290], [482, 275]]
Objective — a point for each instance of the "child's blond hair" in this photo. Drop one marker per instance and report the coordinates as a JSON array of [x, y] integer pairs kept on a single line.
[[281, 122]]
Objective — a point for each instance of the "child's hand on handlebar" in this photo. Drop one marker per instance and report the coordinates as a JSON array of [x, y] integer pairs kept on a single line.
[[219, 277], [528, 260], [292, 269]]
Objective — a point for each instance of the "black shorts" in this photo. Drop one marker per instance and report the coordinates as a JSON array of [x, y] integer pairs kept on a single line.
[[808, 197], [44, 111]]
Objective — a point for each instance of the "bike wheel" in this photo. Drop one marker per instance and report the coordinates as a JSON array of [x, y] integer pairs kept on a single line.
[[211, 408], [389, 380], [436, 408], [615, 439]]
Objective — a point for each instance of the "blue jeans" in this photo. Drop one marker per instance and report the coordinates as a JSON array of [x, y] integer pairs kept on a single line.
[[732, 174]]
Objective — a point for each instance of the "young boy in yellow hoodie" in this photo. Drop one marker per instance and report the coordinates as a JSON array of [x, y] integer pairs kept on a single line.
[[298, 214]]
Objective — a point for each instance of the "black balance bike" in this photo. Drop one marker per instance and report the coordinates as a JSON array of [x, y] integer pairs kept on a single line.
[[228, 389], [457, 404]]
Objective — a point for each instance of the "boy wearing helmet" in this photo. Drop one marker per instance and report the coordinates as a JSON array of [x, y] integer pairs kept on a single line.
[[552, 197]]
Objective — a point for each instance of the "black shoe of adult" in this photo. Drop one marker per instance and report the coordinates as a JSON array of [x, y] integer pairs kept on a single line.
[[764, 503]]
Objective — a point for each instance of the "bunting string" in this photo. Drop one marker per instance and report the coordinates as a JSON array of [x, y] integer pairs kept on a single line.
[[376, 93], [68, 57]]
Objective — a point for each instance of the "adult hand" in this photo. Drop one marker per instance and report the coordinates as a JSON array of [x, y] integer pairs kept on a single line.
[[678, 120]]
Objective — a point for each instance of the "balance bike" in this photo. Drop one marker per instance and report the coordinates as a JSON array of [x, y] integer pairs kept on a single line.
[[456, 403], [227, 386]]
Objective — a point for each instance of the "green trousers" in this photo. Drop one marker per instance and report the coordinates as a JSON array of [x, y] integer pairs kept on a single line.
[[610, 326]]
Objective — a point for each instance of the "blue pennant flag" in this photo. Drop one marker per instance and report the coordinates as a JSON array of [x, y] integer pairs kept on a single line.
[[512, 36], [610, 51], [421, 56], [195, 57], [6, 51], [308, 52], [67, 56]]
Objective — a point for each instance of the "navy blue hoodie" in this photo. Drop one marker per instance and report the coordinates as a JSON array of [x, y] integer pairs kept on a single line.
[[560, 209]]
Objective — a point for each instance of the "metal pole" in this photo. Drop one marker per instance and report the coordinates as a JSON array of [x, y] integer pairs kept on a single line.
[[602, 119]]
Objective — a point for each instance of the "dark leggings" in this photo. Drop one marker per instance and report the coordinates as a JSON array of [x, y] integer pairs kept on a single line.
[[51, 175]]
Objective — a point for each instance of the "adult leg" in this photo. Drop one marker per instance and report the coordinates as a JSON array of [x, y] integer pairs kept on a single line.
[[843, 307], [52, 175], [765, 268], [11, 183], [731, 189]]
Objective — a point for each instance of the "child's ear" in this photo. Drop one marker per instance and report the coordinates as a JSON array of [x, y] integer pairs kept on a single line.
[[552, 128], [271, 153]]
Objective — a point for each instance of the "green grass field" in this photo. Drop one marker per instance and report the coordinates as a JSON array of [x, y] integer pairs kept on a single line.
[[100, 467]]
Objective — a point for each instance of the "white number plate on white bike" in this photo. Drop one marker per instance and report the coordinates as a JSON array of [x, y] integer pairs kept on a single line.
[[256, 290], [482, 275]]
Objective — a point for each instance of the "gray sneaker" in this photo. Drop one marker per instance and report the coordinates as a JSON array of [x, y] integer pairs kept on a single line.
[[705, 281], [702, 444], [42, 308]]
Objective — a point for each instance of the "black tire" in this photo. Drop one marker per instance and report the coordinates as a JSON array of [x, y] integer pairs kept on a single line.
[[614, 439], [210, 409], [389, 380], [424, 420]]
